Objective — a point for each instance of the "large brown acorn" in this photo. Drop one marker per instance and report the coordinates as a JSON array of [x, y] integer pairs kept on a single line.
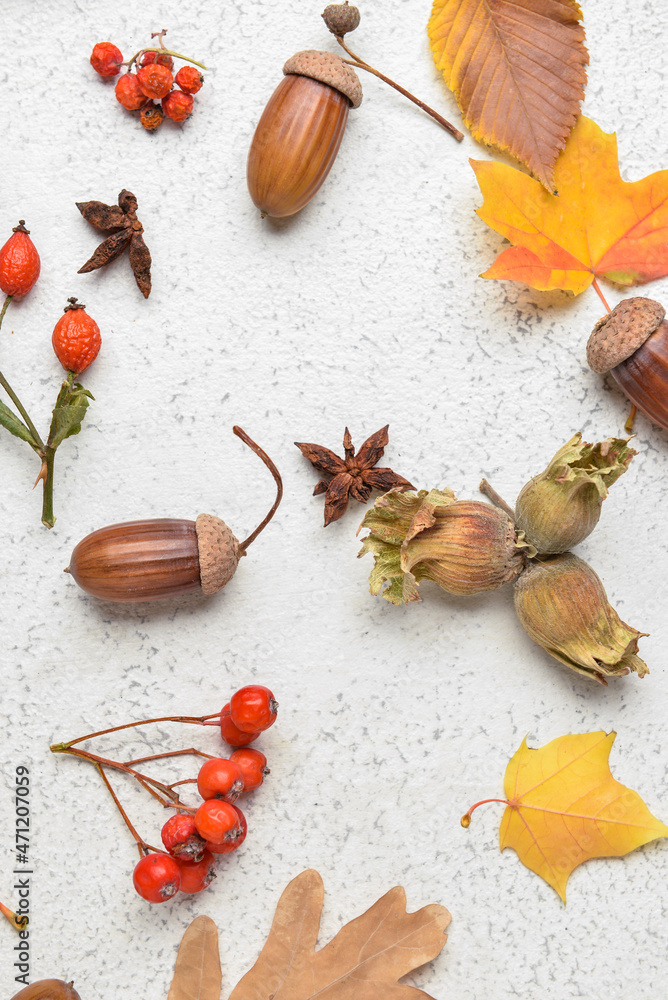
[[164, 557], [300, 131], [631, 343]]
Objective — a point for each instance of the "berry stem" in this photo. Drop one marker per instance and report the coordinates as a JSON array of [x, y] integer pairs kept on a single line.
[[361, 64], [196, 720], [141, 843], [497, 500], [143, 779], [46, 474], [163, 51], [38, 443], [20, 923], [279, 488], [600, 294], [466, 818], [170, 753]]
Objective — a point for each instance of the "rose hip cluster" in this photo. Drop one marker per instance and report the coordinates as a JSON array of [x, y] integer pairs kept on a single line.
[[194, 837], [151, 88]]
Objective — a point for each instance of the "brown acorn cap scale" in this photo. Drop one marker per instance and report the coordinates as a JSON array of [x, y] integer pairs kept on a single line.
[[328, 68], [619, 334]]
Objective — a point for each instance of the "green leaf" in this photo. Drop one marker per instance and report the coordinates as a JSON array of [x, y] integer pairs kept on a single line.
[[68, 413], [15, 426]]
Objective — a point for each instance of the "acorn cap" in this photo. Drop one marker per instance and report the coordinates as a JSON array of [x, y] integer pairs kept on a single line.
[[619, 334], [341, 18], [328, 68], [218, 553]]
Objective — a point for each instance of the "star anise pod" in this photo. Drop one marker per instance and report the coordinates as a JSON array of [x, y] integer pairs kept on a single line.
[[352, 476], [126, 232]]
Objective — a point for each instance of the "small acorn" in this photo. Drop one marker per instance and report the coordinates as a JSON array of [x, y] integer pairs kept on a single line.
[[300, 131], [559, 508], [562, 605], [48, 989], [164, 557], [464, 546], [631, 343]]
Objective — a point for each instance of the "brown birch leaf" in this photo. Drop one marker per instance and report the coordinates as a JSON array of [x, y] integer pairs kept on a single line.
[[517, 70], [197, 974], [364, 961]]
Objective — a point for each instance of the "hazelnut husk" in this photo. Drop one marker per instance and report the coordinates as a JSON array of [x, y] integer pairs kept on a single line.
[[562, 605], [464, 546], [561, 507], [341, 18]]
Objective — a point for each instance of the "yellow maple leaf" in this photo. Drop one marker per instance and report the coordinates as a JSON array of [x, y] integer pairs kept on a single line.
[[517, 70], [564, 807], [598, 225]]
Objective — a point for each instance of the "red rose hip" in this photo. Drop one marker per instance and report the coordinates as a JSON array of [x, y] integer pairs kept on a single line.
[[76, 338], [19, 263]]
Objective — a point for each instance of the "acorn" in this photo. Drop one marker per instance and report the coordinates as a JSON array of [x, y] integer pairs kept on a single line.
[[48, 989], [300, 131], [465, 546], [631, 343], [561, 507], [164, 557], [562, 605], [341, 18]]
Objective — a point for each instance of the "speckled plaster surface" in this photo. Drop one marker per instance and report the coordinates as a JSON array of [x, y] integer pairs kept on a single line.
[[364, 309]]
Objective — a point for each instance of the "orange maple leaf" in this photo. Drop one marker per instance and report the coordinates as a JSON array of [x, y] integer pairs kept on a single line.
[[517, 70], [564, 807], [597, 226]]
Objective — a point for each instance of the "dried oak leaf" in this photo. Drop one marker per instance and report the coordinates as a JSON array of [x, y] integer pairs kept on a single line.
[[197, 974], [599, 226], [363, 962], [564, 807], [353, 475], [517, 70]]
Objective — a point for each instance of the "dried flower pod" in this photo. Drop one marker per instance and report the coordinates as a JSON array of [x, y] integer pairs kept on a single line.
[[164, 557], [562, 606], [48, 989], [300, 131], [631, 343], [561, 507], [341, 18], [464, 546]]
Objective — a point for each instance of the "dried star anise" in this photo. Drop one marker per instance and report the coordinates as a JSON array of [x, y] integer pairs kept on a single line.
[[353, 475], [126, 231]]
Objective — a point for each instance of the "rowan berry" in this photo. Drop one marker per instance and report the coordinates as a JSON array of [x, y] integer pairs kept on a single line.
[[253, 708], [157, 877], [76, 338], [253, 767], [181, 839], [189, 79], [19, 263], [106, 59], [231, 845], [233, 736], [219, 778], [151, 116], [155, 80], [129, 93], [197, 875], [217, 821], [177, 105], [156, 57]]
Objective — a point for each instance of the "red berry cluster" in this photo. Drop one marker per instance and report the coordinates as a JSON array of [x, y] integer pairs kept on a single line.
[[150, 90]]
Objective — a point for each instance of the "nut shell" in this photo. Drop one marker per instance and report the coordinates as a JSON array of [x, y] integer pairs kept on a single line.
[[218, 553], [326, 67], [619, 334], [48, 989]]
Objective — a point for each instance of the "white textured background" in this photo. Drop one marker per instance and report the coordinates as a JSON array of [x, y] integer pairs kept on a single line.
[[364, 309]]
